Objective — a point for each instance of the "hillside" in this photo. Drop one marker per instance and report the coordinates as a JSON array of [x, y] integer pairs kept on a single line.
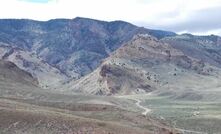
[[11, 73], [47, 75], [204, 48], [147, 64]]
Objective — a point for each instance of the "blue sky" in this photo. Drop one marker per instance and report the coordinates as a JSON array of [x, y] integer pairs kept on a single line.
[[192, 16], [37, 1]]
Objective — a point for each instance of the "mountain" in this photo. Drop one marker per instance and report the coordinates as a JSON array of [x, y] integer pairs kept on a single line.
[[147, 64], [98, 57], [65, 48]]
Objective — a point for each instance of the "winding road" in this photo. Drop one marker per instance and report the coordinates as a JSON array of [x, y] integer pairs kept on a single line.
[[146, 110]]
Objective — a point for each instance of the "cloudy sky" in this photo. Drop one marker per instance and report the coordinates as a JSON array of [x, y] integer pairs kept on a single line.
[[194, 16]]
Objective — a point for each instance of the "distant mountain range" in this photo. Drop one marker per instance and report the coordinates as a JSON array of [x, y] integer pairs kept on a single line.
[[105, 58], [64, 49]]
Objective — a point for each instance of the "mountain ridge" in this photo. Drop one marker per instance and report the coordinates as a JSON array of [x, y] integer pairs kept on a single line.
[[75, 47], [62, 50]]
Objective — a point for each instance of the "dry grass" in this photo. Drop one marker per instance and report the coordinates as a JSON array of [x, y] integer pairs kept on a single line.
[[19, 117]]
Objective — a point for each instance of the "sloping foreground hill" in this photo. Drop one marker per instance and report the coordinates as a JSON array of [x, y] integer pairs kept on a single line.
[[147, 64], [24, 108]]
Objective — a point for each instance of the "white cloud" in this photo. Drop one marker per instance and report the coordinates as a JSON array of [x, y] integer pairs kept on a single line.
[[161, 14], [37, 1], [209, 32]]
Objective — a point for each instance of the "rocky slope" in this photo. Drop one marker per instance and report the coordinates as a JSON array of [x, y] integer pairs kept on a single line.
[[70, 48], [147, 64], [47, 75], [10, 72], [204, 48], [14, 81]]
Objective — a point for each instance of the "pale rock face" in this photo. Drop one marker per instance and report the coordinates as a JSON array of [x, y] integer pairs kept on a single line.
[[46, 75]]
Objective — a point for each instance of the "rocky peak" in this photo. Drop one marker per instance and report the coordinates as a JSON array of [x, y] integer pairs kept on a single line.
[[144, 37]]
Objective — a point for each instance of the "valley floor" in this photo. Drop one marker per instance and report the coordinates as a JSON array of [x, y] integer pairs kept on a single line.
[[189, 117], [54, 117]]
